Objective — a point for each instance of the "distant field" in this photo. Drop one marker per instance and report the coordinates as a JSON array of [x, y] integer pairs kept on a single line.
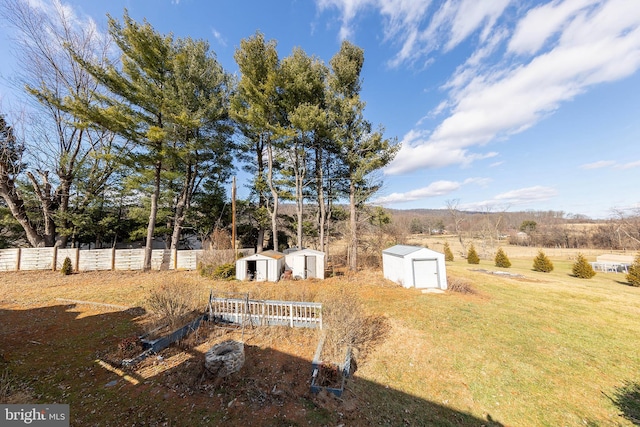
[[538, 350], [488, 248]]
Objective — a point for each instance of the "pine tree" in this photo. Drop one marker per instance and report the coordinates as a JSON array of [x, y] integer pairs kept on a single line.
[[502, 260], [633, 277], [448, 255], [67, 268], [542, 263], [582, 269], [472, 256]]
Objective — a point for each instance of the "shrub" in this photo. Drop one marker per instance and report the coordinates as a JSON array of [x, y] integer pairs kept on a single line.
[[457, 284], [582, 269], [502, 260], [472, 256], [542, 263], [211, 260], [346, 324], [173, 302], [224, 271], [448, 255], [633, 277], [67, 268]]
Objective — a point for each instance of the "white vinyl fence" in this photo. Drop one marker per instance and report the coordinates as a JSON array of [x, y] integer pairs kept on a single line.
[[96, 259], [267, 312]]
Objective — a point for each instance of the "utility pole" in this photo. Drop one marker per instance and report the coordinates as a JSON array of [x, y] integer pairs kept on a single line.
[[233, 218]]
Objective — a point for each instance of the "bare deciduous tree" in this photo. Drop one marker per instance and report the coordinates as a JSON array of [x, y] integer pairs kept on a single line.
[[61, 151]]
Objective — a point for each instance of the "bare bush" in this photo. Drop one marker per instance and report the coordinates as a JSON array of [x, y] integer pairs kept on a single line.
[[460, 285], [212, 259], [347, 325], [172, 303]]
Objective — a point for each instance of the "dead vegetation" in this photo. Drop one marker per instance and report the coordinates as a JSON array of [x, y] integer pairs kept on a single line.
[[460, 285], [174, 303], [348, 326]]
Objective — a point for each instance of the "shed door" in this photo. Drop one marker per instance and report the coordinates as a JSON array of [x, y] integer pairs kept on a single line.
[[261, 270], [299, 268], [425, 273], [310, 266]]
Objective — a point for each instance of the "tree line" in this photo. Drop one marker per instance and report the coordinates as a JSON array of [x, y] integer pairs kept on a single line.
[[142, 143], [546, 229]]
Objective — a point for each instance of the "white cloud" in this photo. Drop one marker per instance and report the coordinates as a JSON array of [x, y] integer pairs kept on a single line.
[[218, 36], [610, 163], [471, 15], [526, 195], [597, 46], [598, 165], [438, 188], [435, 189], [542, 22], [629, 165], [416, 152], [520, 197], [348, 9]]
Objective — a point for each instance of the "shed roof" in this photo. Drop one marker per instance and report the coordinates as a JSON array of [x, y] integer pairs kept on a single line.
[[306, 251], [401, 250], [272, 254], [265, 254]]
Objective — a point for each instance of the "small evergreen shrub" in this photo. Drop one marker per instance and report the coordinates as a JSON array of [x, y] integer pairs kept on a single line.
[[633, 277], [542, 263], [582, 269], [472, 256], [67, 268], [502, 260], [224, 271], [448, 255]]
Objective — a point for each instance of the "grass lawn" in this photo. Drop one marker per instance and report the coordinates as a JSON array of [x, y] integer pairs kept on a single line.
[[546, 349]]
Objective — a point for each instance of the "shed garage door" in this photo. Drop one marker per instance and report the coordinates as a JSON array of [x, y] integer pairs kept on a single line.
[[425, 273]]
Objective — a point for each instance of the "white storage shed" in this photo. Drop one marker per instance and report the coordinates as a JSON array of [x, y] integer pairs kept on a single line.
[[266, 266], [414, 267], [305, 263]]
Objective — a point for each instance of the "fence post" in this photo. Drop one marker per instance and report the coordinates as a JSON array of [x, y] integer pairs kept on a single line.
[[18, 259], [291, 314], [55, 258], [175, 259]]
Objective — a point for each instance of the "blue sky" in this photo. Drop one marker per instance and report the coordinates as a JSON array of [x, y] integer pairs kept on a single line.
[[500, 105]]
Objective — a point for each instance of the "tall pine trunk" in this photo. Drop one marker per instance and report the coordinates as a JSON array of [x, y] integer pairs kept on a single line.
[[353, 233], [274, 195], [152, 217]]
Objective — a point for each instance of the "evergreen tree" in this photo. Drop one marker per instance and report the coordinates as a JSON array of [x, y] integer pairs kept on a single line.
[[502, 260], [472, 255], [362, 150], [255, 108], [542, 263], [633, 277], [448, 255], [67, 268], [139, 106], [582, 269]]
